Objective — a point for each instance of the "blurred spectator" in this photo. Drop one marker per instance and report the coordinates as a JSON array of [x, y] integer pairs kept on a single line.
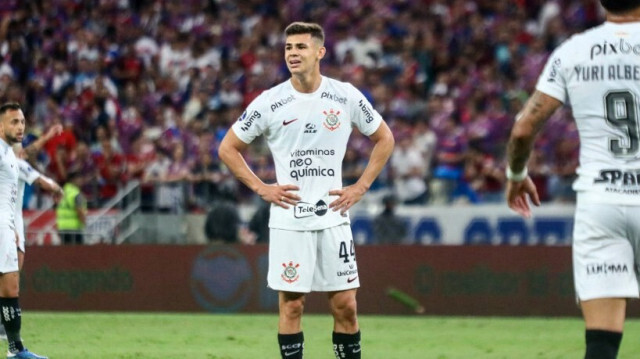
[[88, 173], [409, 172], [152, 178], [485, 176], [450, 158], [539, 171], [71, 214], [259, 223], [352, 167], [425, 140], [208, 181], [388, 228], [565, 162], [119, 69], [171, 191], [111, 170], [222, 223], [142, 155]]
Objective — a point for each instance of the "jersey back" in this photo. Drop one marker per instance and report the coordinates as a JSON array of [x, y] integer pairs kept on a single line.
[[598, 73]]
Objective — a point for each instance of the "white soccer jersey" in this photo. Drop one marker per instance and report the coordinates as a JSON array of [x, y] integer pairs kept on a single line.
[[307, 135], [27, 175], [8, 185], [598, 72]]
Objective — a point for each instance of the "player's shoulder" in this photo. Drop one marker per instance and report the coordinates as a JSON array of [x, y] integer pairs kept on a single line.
[[582, 41], [337, 84], [25, 167], [340, 91], [277, 91]]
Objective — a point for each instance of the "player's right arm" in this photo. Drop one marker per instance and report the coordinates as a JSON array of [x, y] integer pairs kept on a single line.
[[230, 153], [528, 123]]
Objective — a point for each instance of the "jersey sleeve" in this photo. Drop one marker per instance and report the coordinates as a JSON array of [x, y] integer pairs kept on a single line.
[[552, 80], [27, 173], [253, 121], [363, 115]]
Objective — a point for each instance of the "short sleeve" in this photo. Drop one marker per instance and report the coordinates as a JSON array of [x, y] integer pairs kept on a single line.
[[552, 80], [253, 121], [27, 173], [364, 116]]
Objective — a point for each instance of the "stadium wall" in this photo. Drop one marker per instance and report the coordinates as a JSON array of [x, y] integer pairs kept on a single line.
[[485, 224], [446, 280]]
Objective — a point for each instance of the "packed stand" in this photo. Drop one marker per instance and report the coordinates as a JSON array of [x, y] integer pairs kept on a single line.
[[146, 90]]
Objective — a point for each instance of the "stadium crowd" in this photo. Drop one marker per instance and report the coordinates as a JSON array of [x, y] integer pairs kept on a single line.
[[146, 89]]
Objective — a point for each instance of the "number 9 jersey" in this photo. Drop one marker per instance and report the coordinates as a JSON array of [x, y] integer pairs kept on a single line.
[[598, 72]]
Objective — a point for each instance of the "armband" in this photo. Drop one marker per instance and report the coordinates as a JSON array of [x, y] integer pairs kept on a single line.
[[517, 177]]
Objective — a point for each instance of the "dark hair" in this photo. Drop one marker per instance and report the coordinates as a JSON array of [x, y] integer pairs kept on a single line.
[[298, 28], [14, 106], [618, 6]]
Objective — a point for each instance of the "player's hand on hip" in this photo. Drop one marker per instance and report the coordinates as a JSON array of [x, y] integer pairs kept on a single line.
[[518, 195], [348, 196], [281, 195]]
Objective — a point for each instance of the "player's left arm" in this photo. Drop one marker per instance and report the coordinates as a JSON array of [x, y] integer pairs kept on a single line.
[[528, 124], [383, 146], [35, 146]]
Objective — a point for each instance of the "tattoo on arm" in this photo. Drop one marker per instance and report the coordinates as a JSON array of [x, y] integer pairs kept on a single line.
[[534, 115], [31, 150]]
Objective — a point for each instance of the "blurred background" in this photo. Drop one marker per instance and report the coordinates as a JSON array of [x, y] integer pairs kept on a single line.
[[146, 90]]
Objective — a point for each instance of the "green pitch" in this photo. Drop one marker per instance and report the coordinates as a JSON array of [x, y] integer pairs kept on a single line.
[[201, 336]]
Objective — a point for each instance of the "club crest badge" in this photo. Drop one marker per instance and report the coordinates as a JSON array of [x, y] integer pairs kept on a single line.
[[290, 273], [331, 122]]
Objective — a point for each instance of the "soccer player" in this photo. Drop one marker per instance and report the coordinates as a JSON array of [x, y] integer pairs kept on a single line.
[[29, 175], [307, 121], [12, 124], [598, 73]]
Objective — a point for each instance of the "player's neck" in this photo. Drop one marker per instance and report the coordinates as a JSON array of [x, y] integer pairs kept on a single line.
[[629, 16], [307, 83]]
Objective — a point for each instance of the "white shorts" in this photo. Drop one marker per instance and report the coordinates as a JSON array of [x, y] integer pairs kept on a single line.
[[20, 229], [305, 261], [8, 251], [605, 238]]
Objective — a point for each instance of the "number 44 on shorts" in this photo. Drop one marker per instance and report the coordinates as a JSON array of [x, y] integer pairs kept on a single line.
[[344, 254]]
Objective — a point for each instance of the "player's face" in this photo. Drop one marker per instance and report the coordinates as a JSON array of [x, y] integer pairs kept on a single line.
[[303, 53], [12, 123]]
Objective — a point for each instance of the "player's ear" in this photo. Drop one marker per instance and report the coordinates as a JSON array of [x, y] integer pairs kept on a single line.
[[321, 52]]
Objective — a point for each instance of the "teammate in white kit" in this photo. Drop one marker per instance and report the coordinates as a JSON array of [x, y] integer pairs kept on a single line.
[[29, 175], [11, 132], [307, 121], [597, 72]]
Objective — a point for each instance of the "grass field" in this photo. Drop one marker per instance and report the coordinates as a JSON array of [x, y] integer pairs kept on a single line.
[[163, 336]]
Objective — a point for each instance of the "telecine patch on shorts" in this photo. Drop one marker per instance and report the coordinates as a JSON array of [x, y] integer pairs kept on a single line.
[[290, 273]]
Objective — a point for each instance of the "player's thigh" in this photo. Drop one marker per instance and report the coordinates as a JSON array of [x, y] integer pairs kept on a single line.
[[336, 269], [603, 259], [292, 260]]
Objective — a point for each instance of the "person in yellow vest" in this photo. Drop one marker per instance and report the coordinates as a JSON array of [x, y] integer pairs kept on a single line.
[[71, 214]]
